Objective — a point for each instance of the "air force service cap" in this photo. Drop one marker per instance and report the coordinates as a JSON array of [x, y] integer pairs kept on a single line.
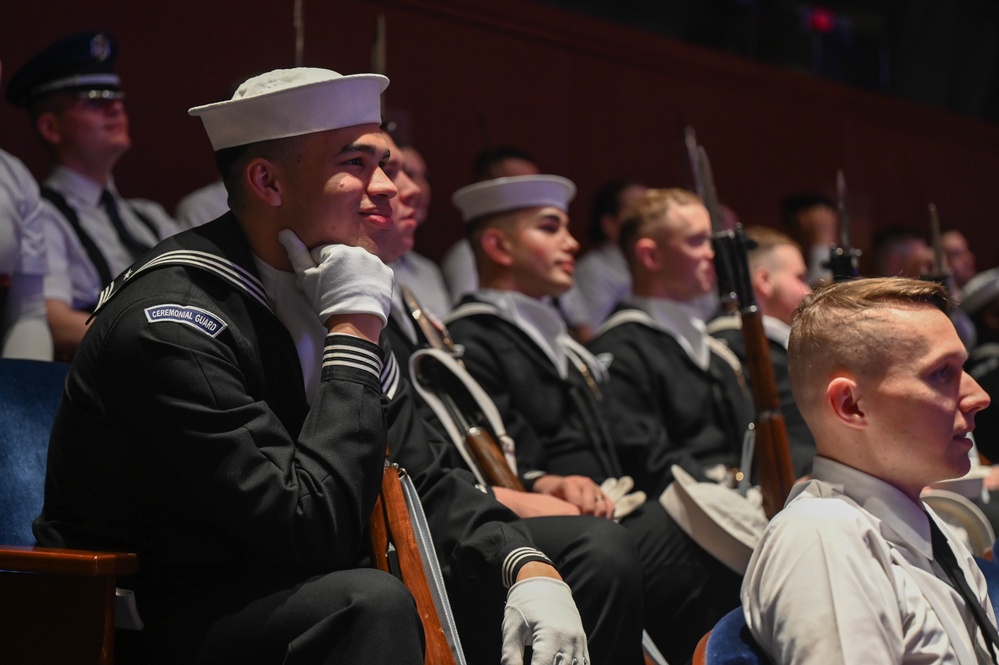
[[513, 193], [292, 102], [82, 63]]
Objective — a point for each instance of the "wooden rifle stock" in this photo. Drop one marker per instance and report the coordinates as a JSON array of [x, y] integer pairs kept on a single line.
[[486, 453], [389, 522], [772, 456]]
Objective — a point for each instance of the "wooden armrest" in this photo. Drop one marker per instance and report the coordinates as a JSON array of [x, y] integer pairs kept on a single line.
[[54, 561]]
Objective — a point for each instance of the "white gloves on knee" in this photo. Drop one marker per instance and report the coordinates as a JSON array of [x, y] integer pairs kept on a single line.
[[540, 613], [619, 491]]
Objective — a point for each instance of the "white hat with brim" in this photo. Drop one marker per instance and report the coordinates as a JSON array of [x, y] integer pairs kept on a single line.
[[724, 523], [292, 102], [514, 193]]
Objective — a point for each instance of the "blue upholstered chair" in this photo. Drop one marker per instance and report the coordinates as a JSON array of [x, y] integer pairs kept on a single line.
[[56, 606], [29, 395], [730, 643]]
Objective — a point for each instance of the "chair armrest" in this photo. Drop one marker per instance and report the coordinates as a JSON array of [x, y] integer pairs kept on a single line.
[[52, 561]]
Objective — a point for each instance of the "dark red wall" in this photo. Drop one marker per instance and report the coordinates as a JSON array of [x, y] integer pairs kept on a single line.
[[593, 101]]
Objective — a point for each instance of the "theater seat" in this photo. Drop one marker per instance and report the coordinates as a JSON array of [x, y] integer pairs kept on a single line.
[[729, 643], [56, 605]]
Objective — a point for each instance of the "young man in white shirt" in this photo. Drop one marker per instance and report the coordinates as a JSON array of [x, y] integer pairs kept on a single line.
[[851, 571]]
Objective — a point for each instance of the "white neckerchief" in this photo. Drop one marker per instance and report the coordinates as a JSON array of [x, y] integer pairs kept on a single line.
[[540, 319], [294, 311], [776, 330], [683, 321]]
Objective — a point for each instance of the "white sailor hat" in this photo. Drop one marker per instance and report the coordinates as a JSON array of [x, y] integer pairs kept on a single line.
[[513, 193], [980, 290], [82, 63], [292, 102], [724, 523]]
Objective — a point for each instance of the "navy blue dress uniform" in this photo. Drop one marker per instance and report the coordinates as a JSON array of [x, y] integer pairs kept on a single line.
[[184, 435], [597, 560], [663, 407], [560, 428], [729, 330]]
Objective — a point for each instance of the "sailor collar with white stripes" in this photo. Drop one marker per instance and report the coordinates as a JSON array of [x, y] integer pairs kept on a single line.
[[540, 319], [683, 321]]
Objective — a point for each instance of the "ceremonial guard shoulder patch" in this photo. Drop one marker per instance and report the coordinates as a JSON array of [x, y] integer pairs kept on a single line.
[[198, 318]]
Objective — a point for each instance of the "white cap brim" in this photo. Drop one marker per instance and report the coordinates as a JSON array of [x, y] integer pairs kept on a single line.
[[723, 522], [292, 102], [514, 193]]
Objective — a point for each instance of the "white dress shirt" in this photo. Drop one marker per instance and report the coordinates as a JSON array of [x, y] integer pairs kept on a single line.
[[845, 574], [24, 330], [72, 278]]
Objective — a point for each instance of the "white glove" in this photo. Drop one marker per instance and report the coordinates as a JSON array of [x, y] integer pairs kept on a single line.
[[619, 491], [540, 613], [340, 279]]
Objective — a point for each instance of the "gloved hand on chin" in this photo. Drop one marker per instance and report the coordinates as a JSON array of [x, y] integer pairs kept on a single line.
[[340, 279]]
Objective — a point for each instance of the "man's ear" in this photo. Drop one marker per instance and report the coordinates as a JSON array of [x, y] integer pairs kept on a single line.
[[47, 125], [497, 246], [762, 283], [262, 182], [843, 395], [647, 254]]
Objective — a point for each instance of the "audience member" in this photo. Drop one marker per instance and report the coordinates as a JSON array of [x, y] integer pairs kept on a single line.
[[75, 102], [856, 568]]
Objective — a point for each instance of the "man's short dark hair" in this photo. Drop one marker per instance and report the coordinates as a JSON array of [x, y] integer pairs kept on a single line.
[[607, 201], [484, 165], [793, 205]]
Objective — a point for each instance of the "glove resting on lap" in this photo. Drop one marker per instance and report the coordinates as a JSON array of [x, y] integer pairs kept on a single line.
[[540, 613]]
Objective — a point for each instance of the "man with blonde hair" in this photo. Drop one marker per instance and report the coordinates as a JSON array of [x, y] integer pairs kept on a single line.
[[856, 569], [676, 395], [780, 282]]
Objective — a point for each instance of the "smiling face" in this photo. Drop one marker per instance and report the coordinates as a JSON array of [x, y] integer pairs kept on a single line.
[[416, 168], [921, 410], [541, 251], [333, 187], [399, 238]]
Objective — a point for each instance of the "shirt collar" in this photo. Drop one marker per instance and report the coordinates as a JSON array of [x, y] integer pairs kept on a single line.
[[776, 330], [80, 185], [683, 321], [883, 500], [539, 318]]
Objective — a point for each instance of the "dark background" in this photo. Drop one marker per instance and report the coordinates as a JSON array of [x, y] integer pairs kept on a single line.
[[898, 94]]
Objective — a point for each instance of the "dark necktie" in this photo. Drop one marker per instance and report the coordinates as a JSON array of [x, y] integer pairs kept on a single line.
[[944, 555], [135, 247]]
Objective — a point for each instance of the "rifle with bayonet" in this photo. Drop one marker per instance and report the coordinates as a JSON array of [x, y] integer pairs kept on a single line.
[[844, 259], [480, 442], [941, 275], [772, 455]]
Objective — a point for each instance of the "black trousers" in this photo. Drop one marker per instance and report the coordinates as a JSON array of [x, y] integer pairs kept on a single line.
[[686, 589], [351, 616], [597, 559]]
